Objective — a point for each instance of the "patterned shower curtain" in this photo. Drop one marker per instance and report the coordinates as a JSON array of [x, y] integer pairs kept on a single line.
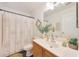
[[17, 33]]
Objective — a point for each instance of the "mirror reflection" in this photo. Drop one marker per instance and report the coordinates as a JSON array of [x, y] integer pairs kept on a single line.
[[62, 17]]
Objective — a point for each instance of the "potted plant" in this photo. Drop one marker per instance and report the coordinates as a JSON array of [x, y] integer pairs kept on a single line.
[[44, 28], [73, 43]]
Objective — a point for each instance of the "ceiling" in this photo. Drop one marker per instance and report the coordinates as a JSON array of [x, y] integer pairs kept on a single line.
[[60, 7], [27, 7]]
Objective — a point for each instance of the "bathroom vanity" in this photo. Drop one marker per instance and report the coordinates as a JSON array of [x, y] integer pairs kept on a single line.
[[39, 51], [41, 48]]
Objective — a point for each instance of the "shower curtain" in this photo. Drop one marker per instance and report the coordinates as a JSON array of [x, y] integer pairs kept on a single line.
[[17, 32], [1, 13]]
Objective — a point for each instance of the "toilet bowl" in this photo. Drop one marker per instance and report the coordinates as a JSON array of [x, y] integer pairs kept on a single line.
[[28, 50]]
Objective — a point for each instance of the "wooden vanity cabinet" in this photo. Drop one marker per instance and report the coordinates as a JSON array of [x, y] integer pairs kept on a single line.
[[46, 53], [39, 51]]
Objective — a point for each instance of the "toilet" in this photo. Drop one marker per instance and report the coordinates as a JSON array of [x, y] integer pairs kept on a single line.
[[28, 50]]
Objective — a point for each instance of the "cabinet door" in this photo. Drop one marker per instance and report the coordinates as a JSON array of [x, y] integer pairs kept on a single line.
[[37, 50], [47, 53]]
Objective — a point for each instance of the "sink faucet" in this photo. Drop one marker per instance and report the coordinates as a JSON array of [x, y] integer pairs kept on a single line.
[[52, 41]]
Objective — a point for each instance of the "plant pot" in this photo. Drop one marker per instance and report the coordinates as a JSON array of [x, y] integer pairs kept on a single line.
[[45, 36], [73, 46]]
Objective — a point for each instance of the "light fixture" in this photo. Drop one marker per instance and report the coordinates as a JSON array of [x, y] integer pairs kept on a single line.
[[62, 2], [52, 5]]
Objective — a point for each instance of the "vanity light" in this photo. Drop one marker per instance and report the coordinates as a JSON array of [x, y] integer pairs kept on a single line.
[[62, 2], [52, 5]]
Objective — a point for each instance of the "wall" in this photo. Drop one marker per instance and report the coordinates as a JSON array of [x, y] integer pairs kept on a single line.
[[2, 6], [67, 18], [39, 14]]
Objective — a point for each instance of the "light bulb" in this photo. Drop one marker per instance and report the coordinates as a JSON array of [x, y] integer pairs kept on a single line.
[[50, 6], [62, 2]]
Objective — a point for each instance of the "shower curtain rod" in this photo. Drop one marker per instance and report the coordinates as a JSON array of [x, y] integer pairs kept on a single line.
[[17, 13]]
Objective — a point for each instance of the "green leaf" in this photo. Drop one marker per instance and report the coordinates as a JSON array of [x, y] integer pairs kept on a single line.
[[73, 41]]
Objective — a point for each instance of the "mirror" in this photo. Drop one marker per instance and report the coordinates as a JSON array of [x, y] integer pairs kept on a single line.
[[64, 17]]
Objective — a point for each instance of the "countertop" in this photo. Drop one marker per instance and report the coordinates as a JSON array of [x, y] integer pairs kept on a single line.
[[57, 50]]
